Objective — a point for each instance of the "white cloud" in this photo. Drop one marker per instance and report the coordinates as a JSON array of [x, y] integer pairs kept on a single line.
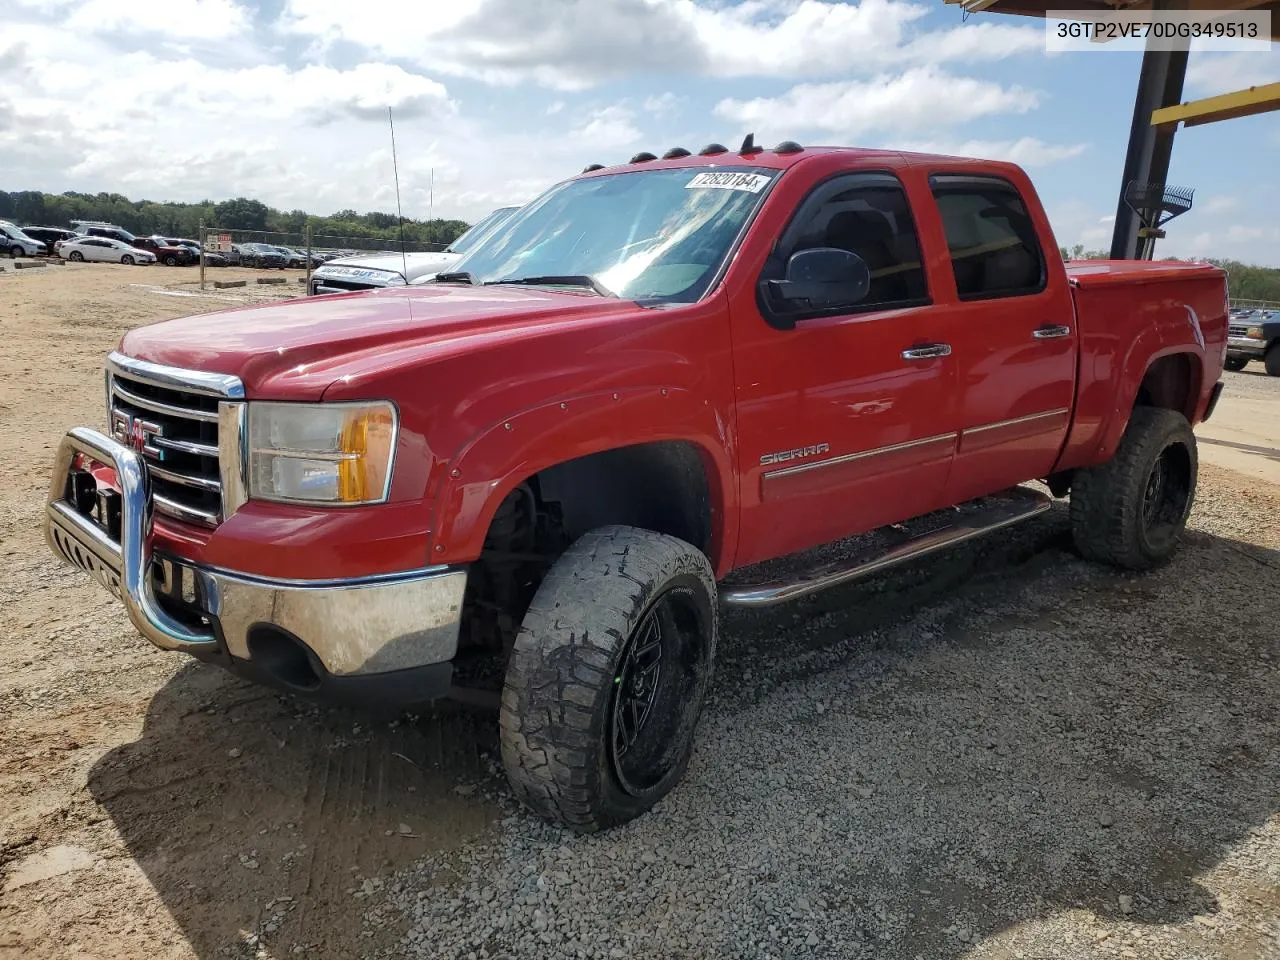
[[920, 99], [1209, 74], [1025, 151], [608, 127], [184, 19], [511, 41], [554, 107], [1218, 204], [662, 104], [178, 19]]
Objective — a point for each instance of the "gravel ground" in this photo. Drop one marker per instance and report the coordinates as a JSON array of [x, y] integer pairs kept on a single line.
[[1047, 760], [1001, 751]]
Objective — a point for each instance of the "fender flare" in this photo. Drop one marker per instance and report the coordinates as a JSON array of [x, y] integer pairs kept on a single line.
[[1134, 370], [496, 460]]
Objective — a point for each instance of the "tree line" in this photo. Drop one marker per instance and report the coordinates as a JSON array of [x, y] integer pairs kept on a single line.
[[33, 208], [1244, 281]]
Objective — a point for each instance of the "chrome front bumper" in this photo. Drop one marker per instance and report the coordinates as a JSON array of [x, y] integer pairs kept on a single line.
[[1247, 346], [351, 628]]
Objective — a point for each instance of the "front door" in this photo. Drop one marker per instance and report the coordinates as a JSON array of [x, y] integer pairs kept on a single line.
[[1013, 335], [845, 422]]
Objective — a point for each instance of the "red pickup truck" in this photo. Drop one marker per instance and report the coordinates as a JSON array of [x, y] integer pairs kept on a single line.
[[552, 465]]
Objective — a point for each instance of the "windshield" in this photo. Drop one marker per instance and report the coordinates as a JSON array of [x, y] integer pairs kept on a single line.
[[476, 232], [652, 235]]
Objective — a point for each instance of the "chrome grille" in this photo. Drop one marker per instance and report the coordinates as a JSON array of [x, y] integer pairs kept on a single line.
[[1237, 329], [186, 427]]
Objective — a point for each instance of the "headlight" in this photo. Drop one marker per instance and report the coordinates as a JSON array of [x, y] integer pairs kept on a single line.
[[329, 453], [1254, 333]]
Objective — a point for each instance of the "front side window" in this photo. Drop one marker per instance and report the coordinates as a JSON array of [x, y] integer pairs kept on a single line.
[[991, 237], [658, 235], [866, 214]]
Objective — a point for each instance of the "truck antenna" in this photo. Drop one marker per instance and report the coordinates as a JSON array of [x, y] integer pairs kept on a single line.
[[395, 167]]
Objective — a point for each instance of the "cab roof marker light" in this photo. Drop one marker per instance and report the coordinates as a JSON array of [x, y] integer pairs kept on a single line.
[[591, 168], [711, 149], [643, 157], [675, 153], [788, 146]]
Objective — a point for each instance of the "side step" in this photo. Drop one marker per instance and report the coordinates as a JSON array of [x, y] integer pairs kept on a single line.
[[962, 523]]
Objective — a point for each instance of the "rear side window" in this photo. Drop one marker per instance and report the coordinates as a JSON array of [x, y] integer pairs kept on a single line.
[[992, 240]]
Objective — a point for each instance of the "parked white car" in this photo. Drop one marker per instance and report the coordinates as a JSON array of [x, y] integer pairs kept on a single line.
[[15, 243], [371, 271], [103, 250]]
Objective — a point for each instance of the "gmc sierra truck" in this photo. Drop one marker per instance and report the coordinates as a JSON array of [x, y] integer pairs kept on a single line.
[[549, 468]]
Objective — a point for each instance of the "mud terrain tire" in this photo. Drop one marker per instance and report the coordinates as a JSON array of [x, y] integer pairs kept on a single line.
[[1272, 360], [1131, 510], [607, 678]]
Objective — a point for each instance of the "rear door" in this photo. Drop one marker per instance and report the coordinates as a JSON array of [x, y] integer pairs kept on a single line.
[[1013, 335], [95, 248]]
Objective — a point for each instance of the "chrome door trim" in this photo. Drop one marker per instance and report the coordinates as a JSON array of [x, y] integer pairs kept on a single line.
[[861, 455], [1017, 420]]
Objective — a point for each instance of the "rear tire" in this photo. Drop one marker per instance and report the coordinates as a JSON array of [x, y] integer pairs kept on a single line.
[[1235, 364], [1272, 359], [607, 677], [1130, 511], [16, 251]]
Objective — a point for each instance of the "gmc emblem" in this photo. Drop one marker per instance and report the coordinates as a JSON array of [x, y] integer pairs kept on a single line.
[[137, 434]]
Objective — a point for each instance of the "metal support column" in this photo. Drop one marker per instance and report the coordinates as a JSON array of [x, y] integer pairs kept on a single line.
[[1147, 160]]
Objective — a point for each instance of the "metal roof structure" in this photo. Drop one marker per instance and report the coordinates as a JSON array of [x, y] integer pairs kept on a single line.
[[1158, 108]]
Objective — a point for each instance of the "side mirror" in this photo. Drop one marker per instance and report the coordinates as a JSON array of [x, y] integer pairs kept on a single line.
[[821, 278]]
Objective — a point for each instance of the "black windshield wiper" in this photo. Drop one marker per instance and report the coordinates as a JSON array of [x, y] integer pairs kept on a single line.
[[460, 277], [571, 280]]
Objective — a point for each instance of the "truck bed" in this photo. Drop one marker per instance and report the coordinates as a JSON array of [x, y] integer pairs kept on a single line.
[[1124, 327], [1104, 273]]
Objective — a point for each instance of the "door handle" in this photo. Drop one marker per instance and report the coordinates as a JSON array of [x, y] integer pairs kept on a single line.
[[927, 351], [1051, 332]]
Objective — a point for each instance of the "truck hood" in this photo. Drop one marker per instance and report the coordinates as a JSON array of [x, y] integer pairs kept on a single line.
[[293, 350], [415, 264]]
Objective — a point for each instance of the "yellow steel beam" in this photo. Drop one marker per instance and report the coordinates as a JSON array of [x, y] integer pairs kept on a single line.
[[1228, 106]]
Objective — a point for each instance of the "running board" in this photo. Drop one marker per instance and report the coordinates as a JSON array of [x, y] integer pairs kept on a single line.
[[967, 523]]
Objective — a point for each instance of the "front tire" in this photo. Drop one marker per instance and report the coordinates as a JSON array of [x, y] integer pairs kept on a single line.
[[127, 260], [76, 255], [1272, 359], [1235, 364], [607, 677], [171, 261], [1130, 511]]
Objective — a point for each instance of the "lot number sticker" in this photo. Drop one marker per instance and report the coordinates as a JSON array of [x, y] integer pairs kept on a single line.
[[750, 182]]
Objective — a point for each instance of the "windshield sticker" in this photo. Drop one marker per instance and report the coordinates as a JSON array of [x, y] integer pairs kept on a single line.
[[750, 182]]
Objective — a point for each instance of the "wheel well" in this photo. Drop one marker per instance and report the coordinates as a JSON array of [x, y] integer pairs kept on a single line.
[[657, 486], [662, 486], [1173, 383]]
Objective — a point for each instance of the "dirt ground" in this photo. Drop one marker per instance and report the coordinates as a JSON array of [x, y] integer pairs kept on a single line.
[[151, 807]]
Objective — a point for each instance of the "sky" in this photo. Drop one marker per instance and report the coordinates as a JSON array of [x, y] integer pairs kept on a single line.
[[495, 100]]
